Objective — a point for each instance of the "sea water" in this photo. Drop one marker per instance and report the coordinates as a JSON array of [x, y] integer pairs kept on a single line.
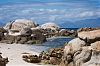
[[54, 42]]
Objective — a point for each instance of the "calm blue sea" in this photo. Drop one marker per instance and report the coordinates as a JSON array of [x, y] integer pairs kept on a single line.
[[51, 43]]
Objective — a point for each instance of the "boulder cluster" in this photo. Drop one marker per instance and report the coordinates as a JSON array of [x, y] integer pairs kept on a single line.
[[84, 50], [25, 31], [53, 56], [3, 61], [31, 58], [68, 33], [21, 31], [81, 51]]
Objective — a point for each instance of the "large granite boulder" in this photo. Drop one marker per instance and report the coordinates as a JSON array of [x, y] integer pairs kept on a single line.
[[74, 45], [51, 27], [95, 56], [90, 36], [19, 24], [84, 56]]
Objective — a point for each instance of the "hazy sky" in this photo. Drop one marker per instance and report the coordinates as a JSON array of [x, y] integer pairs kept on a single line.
[[42, 11]]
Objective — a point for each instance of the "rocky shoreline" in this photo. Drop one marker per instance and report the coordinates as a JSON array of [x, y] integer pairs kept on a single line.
[[81, 51], [22, 31]]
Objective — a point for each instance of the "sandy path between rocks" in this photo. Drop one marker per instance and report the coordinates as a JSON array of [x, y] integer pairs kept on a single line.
[[14, 54]]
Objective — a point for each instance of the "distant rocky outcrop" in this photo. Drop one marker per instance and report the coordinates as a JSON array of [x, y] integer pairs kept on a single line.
[[66, 32], [50, 27], [87, 29], [21, 31], [19, 24]]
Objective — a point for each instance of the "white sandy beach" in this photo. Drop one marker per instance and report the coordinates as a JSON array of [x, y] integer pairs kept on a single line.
[[14, 53]]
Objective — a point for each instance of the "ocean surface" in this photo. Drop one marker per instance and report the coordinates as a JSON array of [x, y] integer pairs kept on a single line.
[[54, 42]]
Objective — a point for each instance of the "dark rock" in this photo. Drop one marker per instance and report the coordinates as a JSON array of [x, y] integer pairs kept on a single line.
[[9, 39], [1, 35], [31, 58], [26, 31], [2, 30], [3, 61], [17, 39]]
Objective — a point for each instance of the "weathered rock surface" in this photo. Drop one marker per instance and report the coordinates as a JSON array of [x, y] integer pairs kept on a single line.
[[31, 58], [87, 29], [26, 31], [86, 56], [74, 45], [21, 31], [53, 56], [90, 36], [96, 46], [95, 59], [65, 32], [23, 39], [86, 50], [80, 57]]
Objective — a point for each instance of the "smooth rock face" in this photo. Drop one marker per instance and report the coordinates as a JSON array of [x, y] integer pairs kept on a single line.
[[51, 26], [76, 44], [19, 24], [96, 46]]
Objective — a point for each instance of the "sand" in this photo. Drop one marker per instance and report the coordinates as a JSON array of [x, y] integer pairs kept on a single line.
[[14, 53]]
